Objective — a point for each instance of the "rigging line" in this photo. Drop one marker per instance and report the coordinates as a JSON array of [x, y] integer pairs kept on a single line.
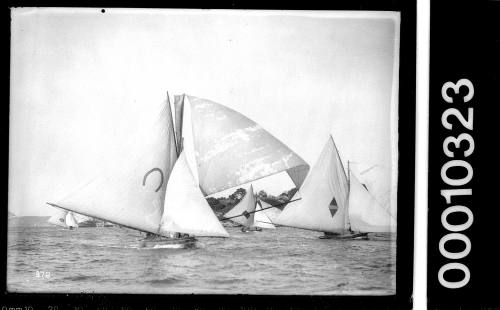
[[366, 170], [262, 209]]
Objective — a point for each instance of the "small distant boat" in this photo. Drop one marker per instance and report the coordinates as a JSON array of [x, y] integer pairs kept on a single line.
[[63, 218], [59, 218], [71, 220], [357, 212], [245, 214]]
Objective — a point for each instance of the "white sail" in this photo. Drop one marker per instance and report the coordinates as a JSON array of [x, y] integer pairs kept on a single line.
[[261, 220], [79, 218], [131, 191], [232, 150], [188, 142], [365, 213], [70, 220], [271, 212], [186, 210], [326, 181], [59, 218], [377, 180], [244, 210]]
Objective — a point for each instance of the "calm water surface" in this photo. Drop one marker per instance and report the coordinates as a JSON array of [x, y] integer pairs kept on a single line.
[[281, 261]]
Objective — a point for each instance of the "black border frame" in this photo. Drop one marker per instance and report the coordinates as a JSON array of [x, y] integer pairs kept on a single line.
[[406, 185], [465, 44]]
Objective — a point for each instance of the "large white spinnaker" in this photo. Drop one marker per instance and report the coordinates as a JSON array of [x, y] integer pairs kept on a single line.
[[59, 218], [365, 213], [131, 191], [70, 220], [232, 150], [243, 212], [186, 210], [326, 181]]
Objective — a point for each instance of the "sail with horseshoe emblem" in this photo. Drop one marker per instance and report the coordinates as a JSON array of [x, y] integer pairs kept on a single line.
[[131, 190]]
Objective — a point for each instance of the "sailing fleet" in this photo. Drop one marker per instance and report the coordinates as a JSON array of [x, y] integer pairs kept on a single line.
[[160, 181]]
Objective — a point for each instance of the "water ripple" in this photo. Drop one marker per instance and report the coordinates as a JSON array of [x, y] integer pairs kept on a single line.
[[281, 261]]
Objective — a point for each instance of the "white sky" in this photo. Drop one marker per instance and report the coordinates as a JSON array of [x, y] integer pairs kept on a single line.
[[81, 80]]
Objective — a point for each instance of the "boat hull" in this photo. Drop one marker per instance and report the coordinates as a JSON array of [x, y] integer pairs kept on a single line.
[[249, 229], [349, 236], [168, 243]]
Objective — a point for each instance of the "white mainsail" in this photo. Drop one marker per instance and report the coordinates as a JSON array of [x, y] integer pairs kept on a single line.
[[232, 150], [131, 191], [243, 212], [261, 220], [186, 210], [59, 218], [326, 181], [365, 213], [70, 220]]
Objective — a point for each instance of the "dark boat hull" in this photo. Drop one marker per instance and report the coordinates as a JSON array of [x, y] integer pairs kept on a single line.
[[350, 236], [168, 243], [249, 229]]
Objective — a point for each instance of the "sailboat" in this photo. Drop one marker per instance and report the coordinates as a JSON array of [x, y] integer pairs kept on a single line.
[[372, 177], [157, 182], [59, 218], [71, 221], [247, 215], [64, 219], [356, 213]]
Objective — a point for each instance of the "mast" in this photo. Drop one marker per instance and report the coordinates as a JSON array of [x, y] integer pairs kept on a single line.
[[171, 120], [347, 222], [179, 120]]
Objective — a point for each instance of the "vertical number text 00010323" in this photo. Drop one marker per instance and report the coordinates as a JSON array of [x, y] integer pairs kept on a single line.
[[463, 147]]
